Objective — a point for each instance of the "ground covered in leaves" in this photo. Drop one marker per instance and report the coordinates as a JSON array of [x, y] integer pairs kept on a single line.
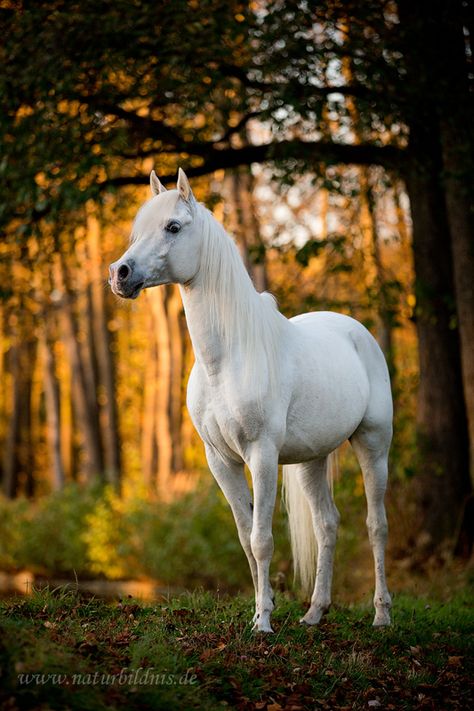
[[59, 650]]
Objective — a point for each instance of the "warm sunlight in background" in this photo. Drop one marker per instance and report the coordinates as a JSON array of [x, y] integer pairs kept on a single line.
[[316, 135], [105, 379], [334, 141]]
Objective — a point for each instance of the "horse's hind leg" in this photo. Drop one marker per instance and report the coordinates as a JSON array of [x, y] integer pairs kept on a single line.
[[371, 447], [313, 480]]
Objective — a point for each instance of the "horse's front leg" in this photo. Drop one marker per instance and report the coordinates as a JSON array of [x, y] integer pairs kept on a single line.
[[263, 465], [230, 476]]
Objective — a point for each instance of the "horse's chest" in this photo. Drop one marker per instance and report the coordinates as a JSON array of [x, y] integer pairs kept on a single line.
[[227, 424]]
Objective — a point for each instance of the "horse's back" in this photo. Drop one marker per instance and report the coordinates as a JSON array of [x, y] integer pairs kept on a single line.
[[326, 324]]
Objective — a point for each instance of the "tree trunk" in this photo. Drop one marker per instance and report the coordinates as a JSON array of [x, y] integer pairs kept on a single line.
[[148, 429], [443, 482], [456, 130], [10, 471], [67, 419], [102, 341], [165, 445], [244, 224], [85, 407], [53, 411], [174, 312], [18, 455], [383, 307]]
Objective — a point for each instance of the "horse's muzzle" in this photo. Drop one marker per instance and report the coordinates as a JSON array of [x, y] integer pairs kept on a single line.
[[124, 281]]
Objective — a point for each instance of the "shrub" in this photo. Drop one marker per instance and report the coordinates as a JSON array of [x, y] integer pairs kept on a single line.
[[13, 517], [51, 535]]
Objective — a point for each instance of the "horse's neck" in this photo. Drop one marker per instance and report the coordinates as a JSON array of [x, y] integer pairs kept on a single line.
[[208, 342], [230, 324]]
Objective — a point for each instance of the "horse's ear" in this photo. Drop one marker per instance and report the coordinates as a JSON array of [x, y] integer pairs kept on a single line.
[[155, 185], [184, 187]]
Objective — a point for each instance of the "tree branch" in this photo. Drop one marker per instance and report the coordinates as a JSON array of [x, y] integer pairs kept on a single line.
[[149, 127], [238, 127], [313, 153], [297, 87]]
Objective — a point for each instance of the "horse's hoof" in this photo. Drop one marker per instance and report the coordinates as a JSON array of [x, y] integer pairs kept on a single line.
[[261, 623], [382, 615], [312, 618], [308, 623], [266, 629]]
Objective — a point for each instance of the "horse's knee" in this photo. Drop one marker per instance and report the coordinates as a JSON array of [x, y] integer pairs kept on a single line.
[[261, 543]]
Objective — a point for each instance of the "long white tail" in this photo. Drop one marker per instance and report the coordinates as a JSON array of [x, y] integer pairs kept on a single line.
[[300, 523]]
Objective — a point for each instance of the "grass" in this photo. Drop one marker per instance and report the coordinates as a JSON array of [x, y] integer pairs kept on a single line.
[[196, 651]]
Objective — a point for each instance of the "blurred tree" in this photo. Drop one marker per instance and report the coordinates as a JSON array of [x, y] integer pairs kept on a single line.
[[443, 252], [101, 337], [241, 220], [90, 89], [53, 408]]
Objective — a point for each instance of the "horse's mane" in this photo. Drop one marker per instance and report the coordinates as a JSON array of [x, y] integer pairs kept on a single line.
[[238, 311]]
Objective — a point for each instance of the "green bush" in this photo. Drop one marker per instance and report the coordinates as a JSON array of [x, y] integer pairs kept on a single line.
[[188, 543], [91, 531], [52, 539], [13, 517], [192, 541]]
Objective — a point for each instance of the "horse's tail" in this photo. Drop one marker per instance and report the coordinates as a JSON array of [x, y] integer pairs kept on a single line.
[[300, 523]]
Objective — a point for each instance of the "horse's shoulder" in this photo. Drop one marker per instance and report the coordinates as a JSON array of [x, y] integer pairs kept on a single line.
[[196, 392]]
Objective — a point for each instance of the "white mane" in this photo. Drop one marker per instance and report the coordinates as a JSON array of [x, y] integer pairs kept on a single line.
[[238, 311]]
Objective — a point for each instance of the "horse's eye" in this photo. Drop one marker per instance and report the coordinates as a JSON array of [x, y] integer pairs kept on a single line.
[[173, 227]]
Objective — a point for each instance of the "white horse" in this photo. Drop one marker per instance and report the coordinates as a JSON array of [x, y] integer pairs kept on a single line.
[[266, 390]]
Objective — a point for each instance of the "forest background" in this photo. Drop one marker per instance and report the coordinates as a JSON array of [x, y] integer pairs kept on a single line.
[[334, 141]]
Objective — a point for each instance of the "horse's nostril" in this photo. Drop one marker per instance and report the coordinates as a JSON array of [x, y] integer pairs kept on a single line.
[[123, 272]]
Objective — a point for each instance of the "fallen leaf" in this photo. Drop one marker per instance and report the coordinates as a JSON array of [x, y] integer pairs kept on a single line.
[[206, 654], [182, 612]]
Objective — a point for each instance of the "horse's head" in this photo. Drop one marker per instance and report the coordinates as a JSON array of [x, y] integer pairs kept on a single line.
[[164, 247]]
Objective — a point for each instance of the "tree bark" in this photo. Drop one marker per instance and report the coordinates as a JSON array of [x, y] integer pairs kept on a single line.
[[148, 429], [456, 121], [10, 472], [67, 420], [443, 482], [84, 402], [102, 341], [244, 224], [174, 312], [165, 445], [384, 312], [18, 455], [53, 408]]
